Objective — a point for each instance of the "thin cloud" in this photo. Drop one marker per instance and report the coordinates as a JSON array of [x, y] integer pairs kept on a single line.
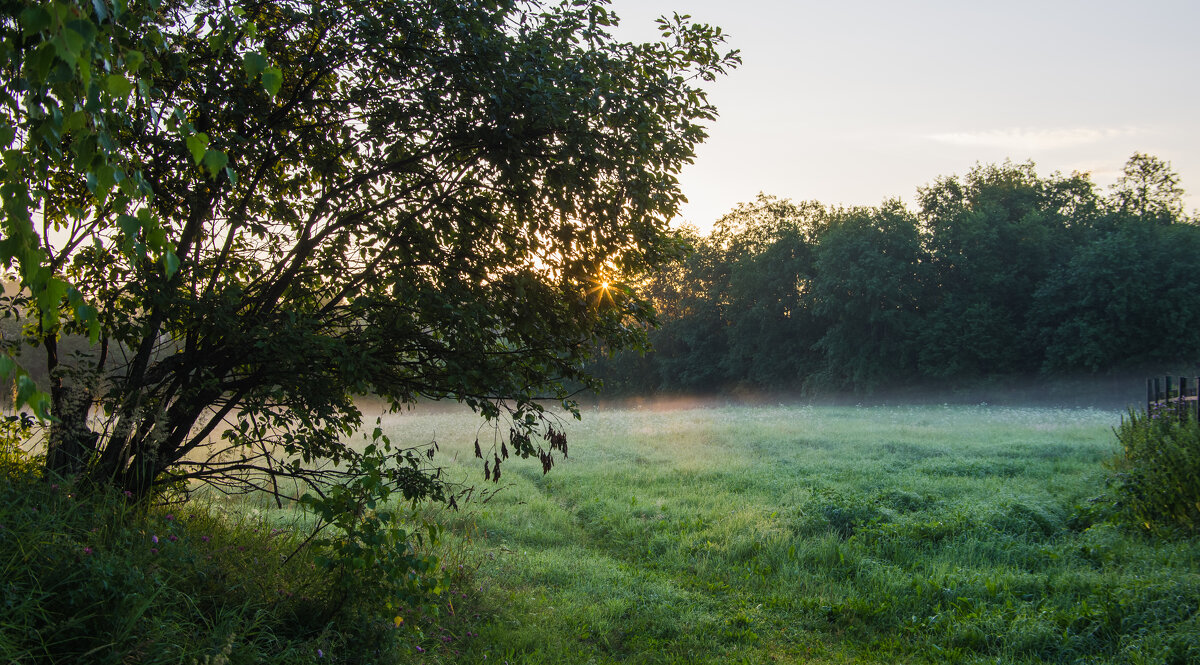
[[1033, 139]]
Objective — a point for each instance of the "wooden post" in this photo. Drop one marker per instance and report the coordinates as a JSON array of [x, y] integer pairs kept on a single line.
[[1181, 407], [1149, 394]]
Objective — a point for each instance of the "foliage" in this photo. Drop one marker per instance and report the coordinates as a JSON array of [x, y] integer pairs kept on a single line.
[[1159, 470], [1001, 274], [258, 211], [1149, 190], [1122, 299], [868, 289], [94, 578], [992, 238]]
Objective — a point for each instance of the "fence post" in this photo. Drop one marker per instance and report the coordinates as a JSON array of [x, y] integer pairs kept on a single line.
[[1182, 410]]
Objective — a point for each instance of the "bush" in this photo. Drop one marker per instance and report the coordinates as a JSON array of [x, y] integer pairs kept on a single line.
[[90, 576], [1159, 471]]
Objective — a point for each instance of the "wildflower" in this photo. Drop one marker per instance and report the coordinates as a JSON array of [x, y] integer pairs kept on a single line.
[[172, 538], [398, 620], [87, 551], [204, 539], [54, 486], [154, 550], [320, 654], [128, 494], [154, 539], [170, 516], [420, 650]]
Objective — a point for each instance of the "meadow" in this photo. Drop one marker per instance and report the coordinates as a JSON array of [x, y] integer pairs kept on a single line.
[[808, 534], [695, 534]]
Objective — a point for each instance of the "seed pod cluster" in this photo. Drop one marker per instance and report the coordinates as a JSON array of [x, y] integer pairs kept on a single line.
[[557, 439]]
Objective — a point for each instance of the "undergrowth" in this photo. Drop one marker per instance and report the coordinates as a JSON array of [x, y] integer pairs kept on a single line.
[[88, 577], [1159, 471]]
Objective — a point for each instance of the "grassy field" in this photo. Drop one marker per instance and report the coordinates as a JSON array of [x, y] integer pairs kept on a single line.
[[809, 534]]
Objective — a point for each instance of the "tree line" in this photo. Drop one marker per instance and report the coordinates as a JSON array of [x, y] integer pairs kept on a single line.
[[998, 273]]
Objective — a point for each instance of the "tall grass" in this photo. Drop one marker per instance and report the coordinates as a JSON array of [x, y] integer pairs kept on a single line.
[[91, 578], [806, 534], [702, 535]]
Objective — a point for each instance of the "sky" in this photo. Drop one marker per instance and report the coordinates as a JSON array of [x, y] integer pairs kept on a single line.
[[855, 102]]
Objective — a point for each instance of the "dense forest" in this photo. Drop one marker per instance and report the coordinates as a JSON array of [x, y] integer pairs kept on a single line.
[[1001, 273]]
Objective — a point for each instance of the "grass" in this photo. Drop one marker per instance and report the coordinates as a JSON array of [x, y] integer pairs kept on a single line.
[[813, 534], [91, 578], [699, 535]]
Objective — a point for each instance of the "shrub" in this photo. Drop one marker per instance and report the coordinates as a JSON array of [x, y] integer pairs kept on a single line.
[[1159, 471]]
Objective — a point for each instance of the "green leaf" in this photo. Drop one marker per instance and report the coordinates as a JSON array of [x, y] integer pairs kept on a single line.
[[170, 263], [86, 315], [34, 20], [118, 86], [214, 161], [73, 122], [48, 301], [129, 225], [101, 9], [26, 389], [198, 144], [272, 79], [254, 63], [133, 61]]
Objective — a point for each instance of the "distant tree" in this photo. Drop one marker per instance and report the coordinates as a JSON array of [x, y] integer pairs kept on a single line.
[[258, 211], [1149, 190], [692, 297], [770, 324], [1125, 300], [992, 237], [868, 292]]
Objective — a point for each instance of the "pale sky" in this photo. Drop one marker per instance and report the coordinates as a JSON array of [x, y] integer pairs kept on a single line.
[[856, 101]]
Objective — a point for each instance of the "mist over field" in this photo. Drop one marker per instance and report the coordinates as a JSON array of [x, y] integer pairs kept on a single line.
[[687, 531], [344, 332]]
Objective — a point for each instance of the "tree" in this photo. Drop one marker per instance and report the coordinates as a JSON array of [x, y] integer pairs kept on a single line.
[[992, 238], [770, 323], [1123, 301], [868, 291], [259, 211], [1149, 190]]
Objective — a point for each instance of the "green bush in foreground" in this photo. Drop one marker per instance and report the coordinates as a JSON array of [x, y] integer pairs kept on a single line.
[[90, 577], [1159, 465]]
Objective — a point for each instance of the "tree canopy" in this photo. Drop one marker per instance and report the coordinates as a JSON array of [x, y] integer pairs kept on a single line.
[[999, 274], [259, 210]]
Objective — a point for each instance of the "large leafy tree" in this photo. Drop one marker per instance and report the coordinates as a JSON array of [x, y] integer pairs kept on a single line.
[[992, 237], [771, 328], [259, 210], [869, 291]]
